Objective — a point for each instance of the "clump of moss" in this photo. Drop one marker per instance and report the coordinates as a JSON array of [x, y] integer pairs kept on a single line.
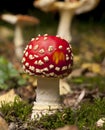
[[84, 117], [17, 110], [90, 113]]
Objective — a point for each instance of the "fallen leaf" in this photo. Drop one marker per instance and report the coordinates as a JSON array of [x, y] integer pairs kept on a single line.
[[8, 96], [93, 67], [68, 127], [3, 124]]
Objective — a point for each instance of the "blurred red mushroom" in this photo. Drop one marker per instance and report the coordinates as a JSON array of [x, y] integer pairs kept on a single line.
[[49, 58]]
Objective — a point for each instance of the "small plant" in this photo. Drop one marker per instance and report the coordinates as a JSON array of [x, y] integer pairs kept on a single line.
[[17, 111], [9, 76]]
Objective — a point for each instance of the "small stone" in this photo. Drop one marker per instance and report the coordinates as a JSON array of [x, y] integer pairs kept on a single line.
[[100, 122], [12, 126]]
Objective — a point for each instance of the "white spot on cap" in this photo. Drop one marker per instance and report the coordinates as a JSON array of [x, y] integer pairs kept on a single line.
[[24, 59], [50, 48], [68, 49], [60, 47], [46, 59], [57, 68], [31, 57], [43, 72], [32, 39], [45, 69], [40, 62], [70, 46], [31, 68], [36, 47], [36, 56], [67, 57], [24, 67], [39, 35], [51, 66], [26, 47], [51, 74], [24, 51], [27, 64], [45, 38], [36, 62], [37, 38], [26, 54], [30, 46], [41, 51], [38, 71], [27, 71], [64, 67]]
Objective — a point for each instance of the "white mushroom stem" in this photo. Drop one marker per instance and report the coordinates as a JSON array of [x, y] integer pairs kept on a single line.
[[65, 24], [67, 11], [18, 41], [48, 91], [47, 98]]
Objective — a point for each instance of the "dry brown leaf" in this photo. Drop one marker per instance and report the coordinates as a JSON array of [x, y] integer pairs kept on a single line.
[[3, 124], [93, 67], [8, 96]]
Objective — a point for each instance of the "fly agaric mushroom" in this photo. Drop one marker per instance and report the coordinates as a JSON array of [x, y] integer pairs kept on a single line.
[[49, 58], [20, 21], [67, 9]]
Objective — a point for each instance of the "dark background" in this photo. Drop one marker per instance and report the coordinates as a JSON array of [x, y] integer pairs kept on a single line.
[[24, 6], [16, 6]]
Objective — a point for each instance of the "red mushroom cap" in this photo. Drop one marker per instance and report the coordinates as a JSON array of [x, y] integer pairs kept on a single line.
[[48, 56]]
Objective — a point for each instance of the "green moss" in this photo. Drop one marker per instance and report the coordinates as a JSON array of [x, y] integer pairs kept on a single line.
[[90, 113], [84, 117], [18, 110]]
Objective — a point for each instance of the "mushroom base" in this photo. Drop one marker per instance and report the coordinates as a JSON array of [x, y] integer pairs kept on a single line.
[[40, 110], [47, 98]]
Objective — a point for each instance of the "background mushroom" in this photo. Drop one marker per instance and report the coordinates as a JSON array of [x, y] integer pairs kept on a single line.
[[67, 9], [49, 58], [19, 21]]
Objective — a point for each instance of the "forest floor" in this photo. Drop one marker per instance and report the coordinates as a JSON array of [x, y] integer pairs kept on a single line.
[[87, 80]]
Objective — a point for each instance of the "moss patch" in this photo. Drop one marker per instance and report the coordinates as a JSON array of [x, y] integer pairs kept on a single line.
[[85, 116]]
